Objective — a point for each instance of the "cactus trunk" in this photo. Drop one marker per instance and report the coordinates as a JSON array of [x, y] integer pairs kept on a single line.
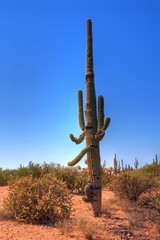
[[93, 129], [93, 156]]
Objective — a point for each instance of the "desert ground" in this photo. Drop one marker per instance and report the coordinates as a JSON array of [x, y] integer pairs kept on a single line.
[[119, 221]]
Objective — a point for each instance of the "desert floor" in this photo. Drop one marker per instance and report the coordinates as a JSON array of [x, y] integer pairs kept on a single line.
[[119, 221]]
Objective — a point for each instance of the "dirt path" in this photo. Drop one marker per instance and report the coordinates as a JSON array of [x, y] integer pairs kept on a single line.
[[115, 224]]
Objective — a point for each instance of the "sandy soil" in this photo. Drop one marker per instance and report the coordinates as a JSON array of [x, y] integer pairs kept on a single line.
[[115, 224]]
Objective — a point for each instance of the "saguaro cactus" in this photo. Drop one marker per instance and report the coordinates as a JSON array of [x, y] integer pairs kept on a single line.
[[93, 130], [136, 163], [115, 163]]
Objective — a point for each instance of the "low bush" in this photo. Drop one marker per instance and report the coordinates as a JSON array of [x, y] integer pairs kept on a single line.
[[152, 170], [151, 201], [34, 169], [43, 200], [7, 175], [131, 184], [74, 177]]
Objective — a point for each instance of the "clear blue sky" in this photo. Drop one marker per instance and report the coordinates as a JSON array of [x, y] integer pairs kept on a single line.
[[42, 65]]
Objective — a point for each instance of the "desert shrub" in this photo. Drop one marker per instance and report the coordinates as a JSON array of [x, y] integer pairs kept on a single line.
[[131, 184], [43, 200], [34, 169], [106, 180], [152, 170], [151, 200], [74, 177], [7, 175], [3, 178]]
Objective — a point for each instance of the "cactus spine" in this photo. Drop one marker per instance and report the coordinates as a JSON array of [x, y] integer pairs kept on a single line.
[[93, 128]]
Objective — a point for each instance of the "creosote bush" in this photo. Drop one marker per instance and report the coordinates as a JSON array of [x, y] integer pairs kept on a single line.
[[43, 200], [131, 184]]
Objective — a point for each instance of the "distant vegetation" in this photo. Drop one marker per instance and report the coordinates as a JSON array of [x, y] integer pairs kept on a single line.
[[45, 190], [122, 181], [75, 178]]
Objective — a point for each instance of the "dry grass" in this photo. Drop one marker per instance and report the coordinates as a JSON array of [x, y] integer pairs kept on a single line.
[[134, 214], [83, 223], [88, 225], [66, 227], [106, 207], [139, 218], [136, 219]]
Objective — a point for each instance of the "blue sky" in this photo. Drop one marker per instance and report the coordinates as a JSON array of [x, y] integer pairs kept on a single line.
[[42, 66]]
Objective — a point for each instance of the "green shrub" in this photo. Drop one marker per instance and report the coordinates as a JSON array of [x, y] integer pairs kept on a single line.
[[152, 170], [131, 184], [33, 169], [43, 200], [74, 177], [7, 175]]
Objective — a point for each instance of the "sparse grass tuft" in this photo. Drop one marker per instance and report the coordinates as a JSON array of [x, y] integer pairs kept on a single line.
[[89, 226], [106, 205], [66, 226], [136, 218]]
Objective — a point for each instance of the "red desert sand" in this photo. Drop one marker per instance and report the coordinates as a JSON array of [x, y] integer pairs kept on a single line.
[[115, 223]]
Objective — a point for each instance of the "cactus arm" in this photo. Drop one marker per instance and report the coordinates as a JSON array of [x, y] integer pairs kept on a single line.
[[89, 193], [79, 157], [100, 112], [102, 125], [80, 110], [77, 140], [99, 135], [106, 123]]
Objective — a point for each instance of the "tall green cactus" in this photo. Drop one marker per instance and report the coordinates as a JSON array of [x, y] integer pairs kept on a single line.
[[115, 163], [136, 163], [93, 128]]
